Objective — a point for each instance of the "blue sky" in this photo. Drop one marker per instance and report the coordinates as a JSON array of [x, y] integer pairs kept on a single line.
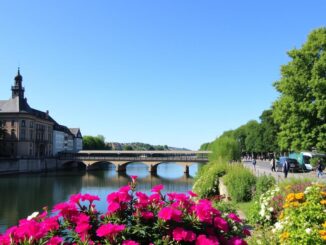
[[161, 72]]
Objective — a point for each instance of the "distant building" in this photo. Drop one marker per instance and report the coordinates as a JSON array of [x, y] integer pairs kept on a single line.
[[25, 131]]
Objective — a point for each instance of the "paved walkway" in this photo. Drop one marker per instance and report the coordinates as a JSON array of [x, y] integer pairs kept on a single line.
[[263, 168]]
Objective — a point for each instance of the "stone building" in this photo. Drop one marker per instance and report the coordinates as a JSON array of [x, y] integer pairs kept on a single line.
[[25, 131]]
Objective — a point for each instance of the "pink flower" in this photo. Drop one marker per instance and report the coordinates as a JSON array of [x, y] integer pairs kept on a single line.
[[221, 223], [90, 198], [4, 240], [180, 234], [205, 211], [147, 215], [203, 240], [236, 241], [75, 198], [133, 178], [192, 194], [234, 217], [109, 230], [130, 242], [67, 210], [113, 207], [157, 188], [169, 213], [55, 241]]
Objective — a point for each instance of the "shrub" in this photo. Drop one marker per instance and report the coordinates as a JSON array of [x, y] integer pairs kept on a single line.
[[207, 179], [240, 183], [132, 218], [263, 184]]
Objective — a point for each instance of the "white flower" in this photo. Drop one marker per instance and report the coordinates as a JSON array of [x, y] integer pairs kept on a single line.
[[268, 217], [32, 216], [308, 230], [278, 226], [271, 209]]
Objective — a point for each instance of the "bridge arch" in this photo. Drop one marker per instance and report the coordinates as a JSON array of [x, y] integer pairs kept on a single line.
[[72, 164]]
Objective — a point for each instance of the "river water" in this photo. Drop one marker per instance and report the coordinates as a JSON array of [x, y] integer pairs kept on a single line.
[[21, 195]]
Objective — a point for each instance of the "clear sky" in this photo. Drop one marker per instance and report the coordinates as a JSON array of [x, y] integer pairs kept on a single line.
[[174, 72]]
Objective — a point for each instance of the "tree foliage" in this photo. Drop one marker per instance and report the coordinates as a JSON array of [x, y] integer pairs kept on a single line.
[[300, 110], [94, 143]]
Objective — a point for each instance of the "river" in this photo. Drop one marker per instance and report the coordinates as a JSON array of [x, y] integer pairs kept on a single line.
[[21, 195]]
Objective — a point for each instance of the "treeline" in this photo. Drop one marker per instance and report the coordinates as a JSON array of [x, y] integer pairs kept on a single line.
[[98, 143], [296, 121]]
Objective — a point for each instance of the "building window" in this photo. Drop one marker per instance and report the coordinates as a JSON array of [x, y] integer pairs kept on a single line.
[[31, 134], [12, 123], [31, 124], [23, 123], [13, 134], [22, 134]]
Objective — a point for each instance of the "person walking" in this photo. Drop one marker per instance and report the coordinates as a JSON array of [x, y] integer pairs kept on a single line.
[[254, 163], [286, 168], [273, 164], [319, 169]]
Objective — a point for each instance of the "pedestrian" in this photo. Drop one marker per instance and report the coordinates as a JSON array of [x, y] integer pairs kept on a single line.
[[286, 168], [254, 163], [273, 164], [319, 169]]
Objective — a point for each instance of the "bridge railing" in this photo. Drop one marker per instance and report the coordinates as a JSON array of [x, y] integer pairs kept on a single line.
[[138, 159]]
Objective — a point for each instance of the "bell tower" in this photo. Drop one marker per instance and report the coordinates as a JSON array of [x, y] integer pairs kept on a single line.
[[17, 89]]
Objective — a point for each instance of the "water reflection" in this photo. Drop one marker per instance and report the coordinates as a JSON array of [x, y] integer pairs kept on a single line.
[[23, 194]]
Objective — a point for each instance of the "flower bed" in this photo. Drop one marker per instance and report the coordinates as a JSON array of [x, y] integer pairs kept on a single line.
[[131, 218], [295, 214]]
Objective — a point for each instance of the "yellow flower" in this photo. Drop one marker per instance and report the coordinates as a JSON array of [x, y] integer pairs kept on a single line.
[[323, 202], [284, 236], [323, 193], [324, 225], [320, 185], [285, 205], [295, 204], [282, 216], [322, 232], [299, 196], [323, 237], [290, 197]]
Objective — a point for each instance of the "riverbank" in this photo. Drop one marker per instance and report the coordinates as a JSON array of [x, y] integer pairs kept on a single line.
[[22, 165]]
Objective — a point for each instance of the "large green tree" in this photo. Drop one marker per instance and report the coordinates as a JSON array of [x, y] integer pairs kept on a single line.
[[300, 110], [269, 132]]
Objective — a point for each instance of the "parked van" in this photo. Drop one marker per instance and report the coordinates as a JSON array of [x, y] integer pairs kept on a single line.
[[304, 158]]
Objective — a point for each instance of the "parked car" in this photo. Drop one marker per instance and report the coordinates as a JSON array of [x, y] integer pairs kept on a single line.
[[294, 164]]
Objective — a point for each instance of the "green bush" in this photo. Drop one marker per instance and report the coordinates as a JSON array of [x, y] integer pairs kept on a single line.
[[226, 149], [240, 183], [263, 184], [206, 180]]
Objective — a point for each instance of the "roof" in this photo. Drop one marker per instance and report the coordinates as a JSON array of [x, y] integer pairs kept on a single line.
[[75, 132], [11, 105]]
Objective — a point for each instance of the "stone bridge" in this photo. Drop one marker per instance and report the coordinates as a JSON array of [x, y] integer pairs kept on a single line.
[[120, 159]]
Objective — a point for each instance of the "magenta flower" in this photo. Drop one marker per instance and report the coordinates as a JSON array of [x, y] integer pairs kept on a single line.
[[180, 234], [147, 215], [90, 198], [192, 194], [133, 178], [237, 241], [55, 241], [75, 198], [113, 207], [157, 188], [109, 230], [203, 240], [234, 217], [221, 223], [130, 242], [169, 213]]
